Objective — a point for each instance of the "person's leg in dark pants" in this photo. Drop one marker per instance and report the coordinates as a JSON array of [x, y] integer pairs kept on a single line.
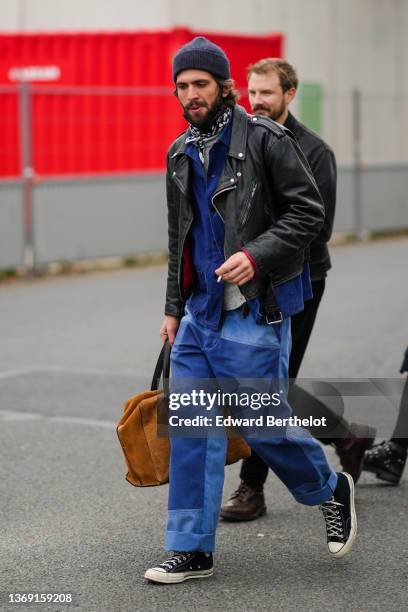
[[302, 325], [387, 460], [350, 440], [400, 435], [305, 404]]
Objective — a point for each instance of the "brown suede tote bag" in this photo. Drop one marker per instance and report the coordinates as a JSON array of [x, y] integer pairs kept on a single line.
[[146, 453]]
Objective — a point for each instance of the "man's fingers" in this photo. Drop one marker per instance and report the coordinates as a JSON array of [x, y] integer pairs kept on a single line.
[[229, 276], [231, 264], [170, 335], [223, 271], [244, 280], [236, 273], [233, 270], [236, 270], [239, 275], [241, 279], [169, 328]]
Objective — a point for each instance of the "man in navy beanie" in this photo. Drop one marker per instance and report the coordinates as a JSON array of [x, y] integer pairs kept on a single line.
[[242, 208]]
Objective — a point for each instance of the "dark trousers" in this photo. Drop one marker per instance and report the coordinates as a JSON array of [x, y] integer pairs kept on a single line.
[[301, 327], [253, 470], [400, 435]]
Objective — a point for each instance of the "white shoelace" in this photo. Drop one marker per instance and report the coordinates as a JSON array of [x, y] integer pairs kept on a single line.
[[176, 559], [334, 524]]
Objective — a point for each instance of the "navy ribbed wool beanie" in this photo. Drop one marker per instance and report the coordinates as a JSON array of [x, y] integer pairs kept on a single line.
[[202, 54]]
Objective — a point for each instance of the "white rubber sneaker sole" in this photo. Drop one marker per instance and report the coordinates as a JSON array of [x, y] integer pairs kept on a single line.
[[168, 578], [353, 529]]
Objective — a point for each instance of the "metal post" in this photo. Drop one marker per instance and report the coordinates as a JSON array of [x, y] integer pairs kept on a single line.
[[25, 116], [357, 166]]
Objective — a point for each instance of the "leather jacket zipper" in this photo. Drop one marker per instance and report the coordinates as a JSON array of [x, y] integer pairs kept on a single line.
[[245, 213], [180, 265], [229, 188], [179, 184]]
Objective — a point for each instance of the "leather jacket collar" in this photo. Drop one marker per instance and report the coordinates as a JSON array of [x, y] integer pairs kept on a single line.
[[292, 124]]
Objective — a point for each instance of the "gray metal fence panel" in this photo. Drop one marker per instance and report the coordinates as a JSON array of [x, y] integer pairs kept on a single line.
[[92, 218], [384, 191], [344, 218], [11, 225], [385, 198], [121, 216]]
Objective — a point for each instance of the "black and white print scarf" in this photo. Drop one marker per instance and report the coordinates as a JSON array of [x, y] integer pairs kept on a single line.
[[199, 138]]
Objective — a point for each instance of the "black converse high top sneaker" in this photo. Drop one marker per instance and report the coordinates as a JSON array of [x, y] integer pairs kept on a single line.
[[182, 566], [340, 516]]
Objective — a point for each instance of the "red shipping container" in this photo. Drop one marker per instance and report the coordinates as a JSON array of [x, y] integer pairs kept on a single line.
[[103, 102]]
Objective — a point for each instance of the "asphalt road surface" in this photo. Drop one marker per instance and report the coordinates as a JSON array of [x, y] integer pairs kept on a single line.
[[72, 349]]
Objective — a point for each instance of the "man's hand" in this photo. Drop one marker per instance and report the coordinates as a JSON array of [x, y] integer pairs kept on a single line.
[[237, 270], [169, 329]]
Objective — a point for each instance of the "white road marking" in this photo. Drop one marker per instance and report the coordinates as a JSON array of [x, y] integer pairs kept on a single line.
[[11, 415], [65, 370]]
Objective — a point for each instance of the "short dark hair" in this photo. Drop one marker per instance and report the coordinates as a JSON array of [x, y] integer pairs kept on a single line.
[[287, 74]]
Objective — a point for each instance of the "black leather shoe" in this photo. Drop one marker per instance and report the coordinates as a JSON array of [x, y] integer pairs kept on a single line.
[[387, 461], [245, 504], [351, 450]]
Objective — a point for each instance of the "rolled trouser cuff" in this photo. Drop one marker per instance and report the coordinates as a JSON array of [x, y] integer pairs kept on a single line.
[[188, 542], [320, 495]]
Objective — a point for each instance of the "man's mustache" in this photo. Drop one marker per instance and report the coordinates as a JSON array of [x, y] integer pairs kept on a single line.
[[260, 107], [196, 105]]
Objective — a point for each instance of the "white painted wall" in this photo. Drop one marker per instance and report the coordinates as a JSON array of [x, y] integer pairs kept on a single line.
[[89, 15], [341, 43]]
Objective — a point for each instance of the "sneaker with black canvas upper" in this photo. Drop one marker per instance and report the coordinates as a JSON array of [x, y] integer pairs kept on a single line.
[[340, 516], [182, 566]]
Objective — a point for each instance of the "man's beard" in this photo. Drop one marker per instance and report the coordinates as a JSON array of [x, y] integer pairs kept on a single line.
[[272, 114], [214, 110]]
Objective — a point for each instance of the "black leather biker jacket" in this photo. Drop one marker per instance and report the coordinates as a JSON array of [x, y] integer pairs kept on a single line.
[[266, 196]]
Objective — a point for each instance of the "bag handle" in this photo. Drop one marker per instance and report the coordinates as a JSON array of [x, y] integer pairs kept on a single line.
[[162, 368]]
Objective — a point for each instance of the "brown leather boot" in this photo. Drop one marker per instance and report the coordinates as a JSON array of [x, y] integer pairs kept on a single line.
[[351, 450], [245, 504]]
